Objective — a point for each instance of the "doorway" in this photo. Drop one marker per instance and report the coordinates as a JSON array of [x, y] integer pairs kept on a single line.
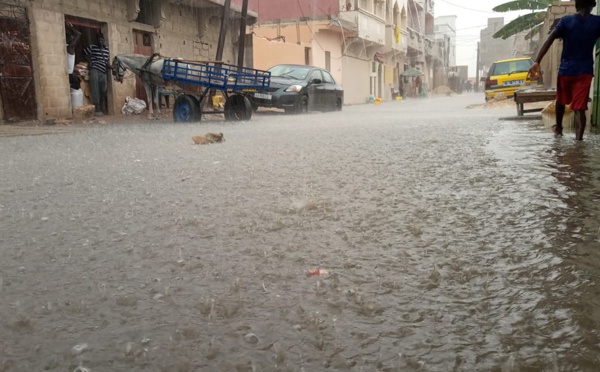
[[17, 89], [372, 81], [89, 30]]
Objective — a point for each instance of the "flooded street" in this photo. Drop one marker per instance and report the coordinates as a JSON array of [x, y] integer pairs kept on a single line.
[[454, 241]]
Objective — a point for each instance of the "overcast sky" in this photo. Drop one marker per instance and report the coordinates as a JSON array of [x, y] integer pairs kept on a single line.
[[471, 19]]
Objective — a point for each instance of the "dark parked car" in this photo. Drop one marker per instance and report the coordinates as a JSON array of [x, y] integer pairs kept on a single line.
[[298, 89]]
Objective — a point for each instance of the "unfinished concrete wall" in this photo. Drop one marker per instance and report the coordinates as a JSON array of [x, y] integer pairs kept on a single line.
[[178, 32], [551, 61]]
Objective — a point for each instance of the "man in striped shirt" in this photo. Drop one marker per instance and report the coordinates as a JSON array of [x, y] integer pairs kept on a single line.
[[98, 58]]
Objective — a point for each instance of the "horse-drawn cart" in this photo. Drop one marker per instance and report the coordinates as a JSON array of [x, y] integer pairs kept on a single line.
[[197, 80]]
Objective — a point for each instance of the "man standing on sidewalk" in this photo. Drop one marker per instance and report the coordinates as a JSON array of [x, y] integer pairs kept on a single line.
[[579, 32], [98, 58]]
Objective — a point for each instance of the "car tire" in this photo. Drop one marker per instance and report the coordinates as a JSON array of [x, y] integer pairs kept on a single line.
[[302, 106], [338, 104]]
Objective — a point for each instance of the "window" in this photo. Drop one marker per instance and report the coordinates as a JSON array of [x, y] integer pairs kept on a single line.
[[316, 74], [510, 67], [328, 78], [328, 61]]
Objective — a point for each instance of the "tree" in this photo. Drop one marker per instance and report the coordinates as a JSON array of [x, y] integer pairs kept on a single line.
[[533, 21]]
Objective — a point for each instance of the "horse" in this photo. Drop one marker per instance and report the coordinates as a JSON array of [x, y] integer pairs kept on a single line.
[[148, 69]]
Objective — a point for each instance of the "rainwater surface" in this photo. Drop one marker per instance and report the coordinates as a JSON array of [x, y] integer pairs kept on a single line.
[[453, 241]]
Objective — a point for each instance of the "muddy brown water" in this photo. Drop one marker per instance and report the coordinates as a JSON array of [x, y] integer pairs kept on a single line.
[[454, 242]]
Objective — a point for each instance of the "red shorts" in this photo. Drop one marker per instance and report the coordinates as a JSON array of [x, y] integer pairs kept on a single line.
[[574, 90]]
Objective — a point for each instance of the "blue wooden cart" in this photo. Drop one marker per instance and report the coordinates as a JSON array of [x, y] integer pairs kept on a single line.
[[199, 79]]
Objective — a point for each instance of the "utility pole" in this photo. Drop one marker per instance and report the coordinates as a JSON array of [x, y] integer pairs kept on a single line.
[[242, 40], [477, 70], [223, 33]]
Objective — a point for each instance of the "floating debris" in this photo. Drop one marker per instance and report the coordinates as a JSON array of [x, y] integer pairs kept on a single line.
[[78, 349], [317, 272]]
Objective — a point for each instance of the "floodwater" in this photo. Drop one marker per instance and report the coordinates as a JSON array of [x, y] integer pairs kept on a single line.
[[454, 241]]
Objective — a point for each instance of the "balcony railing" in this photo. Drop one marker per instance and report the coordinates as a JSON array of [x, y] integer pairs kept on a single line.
[[415, 40], [391, 40], [369, 27]]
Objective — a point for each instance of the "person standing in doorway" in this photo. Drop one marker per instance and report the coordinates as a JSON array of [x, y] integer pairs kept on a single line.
[[73, 36], [579, 33], [417, 86], [401, 86], [98, 58]]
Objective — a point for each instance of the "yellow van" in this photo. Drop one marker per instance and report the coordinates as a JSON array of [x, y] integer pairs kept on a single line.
[[508, 75]]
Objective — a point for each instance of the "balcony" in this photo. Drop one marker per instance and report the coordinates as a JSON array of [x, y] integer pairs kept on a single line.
[[429, 47], [390, 40], [369, 27], [415, 41]]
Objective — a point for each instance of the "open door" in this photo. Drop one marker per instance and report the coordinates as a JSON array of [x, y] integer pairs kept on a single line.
[[17, 89], [142, 45]]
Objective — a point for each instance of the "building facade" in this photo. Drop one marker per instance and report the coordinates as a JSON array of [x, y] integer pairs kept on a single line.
[[445, 35], [445, 39], [364, 43], [34, 83], [492, 49]]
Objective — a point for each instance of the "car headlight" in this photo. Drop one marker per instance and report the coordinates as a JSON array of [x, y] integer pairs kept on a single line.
[[294, 88]]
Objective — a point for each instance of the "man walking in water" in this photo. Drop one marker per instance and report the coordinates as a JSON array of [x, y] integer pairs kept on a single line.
[[579, 32]]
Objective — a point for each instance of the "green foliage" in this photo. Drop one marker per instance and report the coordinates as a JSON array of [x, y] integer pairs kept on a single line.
[[522, 5], [532, 21], [522, 23]]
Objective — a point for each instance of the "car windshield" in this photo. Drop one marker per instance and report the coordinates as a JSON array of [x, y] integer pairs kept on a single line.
[[294, 72], [511, 67]]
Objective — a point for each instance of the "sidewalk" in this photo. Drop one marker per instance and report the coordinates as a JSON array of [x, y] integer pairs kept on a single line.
[[72, 125]]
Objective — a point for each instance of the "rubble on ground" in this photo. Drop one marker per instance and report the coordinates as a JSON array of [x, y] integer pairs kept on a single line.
[[84, 112], [443, 89]]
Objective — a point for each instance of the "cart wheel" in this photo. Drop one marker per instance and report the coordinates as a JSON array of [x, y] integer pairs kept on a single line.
[[238, 108], [253, 104], [186, 108]]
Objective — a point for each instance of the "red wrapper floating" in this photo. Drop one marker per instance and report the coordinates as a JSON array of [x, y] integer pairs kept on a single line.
[[317, 272]]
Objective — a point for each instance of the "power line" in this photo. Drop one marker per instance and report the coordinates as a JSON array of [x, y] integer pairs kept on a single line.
[[471, 9], [468, 28]]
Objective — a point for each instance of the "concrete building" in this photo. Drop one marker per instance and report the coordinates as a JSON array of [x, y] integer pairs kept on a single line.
[[421, 45], [445, 52], [364, 43], [445, 34], [492, 49], [34, 83]]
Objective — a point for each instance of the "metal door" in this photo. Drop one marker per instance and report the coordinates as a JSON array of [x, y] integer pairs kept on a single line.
[[17, 89], [317, 94], [142, 45]]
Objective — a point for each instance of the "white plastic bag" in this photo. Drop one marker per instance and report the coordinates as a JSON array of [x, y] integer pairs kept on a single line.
[[133, 106]]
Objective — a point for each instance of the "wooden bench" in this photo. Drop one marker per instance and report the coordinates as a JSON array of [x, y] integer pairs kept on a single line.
[[523, 96]]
